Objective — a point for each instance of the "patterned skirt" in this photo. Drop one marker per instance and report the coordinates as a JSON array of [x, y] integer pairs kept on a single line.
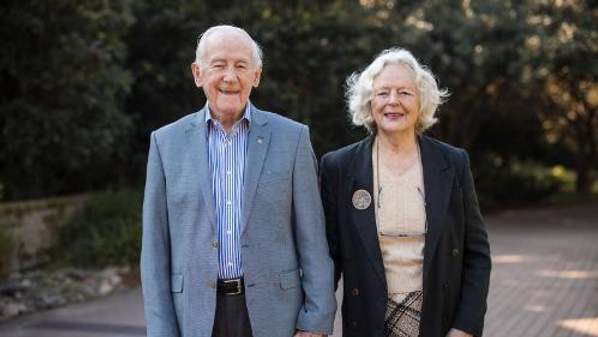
[[402, 319]]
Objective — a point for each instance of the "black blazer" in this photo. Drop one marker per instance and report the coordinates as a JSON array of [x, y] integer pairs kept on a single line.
[[456, 254]]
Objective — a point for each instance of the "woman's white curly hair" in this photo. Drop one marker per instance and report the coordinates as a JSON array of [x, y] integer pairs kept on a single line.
[[360, 90]]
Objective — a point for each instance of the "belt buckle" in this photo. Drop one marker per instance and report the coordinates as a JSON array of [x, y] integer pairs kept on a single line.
[[237, 284]]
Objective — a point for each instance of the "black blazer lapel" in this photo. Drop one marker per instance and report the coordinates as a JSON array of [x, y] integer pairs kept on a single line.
[[361, 178], [438, 182]]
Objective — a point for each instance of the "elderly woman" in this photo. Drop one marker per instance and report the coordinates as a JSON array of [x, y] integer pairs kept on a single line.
[[402, 216]]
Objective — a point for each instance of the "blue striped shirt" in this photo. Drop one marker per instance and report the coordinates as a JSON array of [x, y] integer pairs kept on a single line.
[[226, 157]]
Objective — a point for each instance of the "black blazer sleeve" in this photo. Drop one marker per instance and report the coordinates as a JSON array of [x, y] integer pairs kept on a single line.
[[329, 187], [476, 259]]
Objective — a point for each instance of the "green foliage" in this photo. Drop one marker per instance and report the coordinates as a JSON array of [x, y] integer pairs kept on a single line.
[[514, 184], [6, 251], [62, 127], [106, 231], [565, 73], [83, 83]]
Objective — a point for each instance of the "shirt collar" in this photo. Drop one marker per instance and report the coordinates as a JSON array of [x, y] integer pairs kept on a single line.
[[246, 113]]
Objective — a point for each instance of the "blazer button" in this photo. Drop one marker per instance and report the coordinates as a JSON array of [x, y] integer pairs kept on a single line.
[[455, 252], [355, 292], [445, 285], [354, 324], [215, 243]]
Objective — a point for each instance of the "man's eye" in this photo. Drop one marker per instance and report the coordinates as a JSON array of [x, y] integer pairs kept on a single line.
[[406, 93], [218, 66], [382, 94]]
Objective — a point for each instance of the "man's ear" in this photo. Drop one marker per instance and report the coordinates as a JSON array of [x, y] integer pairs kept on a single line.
[[256, 77], [197, 75]]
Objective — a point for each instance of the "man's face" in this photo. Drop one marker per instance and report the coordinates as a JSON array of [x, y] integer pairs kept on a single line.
[[227, 74]]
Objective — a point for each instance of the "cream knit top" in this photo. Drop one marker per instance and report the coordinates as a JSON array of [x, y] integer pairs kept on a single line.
[[401, 222]]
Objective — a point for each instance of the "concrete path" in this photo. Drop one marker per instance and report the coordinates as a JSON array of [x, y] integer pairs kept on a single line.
[[118, 315], [544, 284]]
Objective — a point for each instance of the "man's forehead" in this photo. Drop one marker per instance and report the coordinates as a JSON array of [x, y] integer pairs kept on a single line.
[[227, 36], [228, 44]]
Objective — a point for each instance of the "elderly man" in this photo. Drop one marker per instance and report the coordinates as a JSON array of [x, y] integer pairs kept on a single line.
[[233, 229]]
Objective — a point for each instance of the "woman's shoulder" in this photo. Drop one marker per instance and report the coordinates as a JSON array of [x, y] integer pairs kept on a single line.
[[345, 154], [455, 155], [445, 148]]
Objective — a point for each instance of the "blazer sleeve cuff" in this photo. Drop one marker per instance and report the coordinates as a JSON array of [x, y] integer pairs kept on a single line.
[[315, 323], [472, 326]]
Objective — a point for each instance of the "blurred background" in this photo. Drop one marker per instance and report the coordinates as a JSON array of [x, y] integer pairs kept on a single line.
[[83, 83]]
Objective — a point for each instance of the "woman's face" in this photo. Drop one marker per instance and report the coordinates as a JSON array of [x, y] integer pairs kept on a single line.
[[395, 101]]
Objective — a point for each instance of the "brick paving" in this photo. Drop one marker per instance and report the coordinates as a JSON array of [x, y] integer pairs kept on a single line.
[[544, 284], [545, 276]]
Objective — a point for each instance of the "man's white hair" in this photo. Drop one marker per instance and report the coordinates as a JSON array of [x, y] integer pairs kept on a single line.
[[360, 90], [200, 52]]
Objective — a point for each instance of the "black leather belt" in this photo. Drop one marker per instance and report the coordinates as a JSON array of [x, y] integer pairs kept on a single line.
[[231, 287]]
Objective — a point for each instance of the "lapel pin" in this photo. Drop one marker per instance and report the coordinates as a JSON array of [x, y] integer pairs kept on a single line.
[[361, 199]]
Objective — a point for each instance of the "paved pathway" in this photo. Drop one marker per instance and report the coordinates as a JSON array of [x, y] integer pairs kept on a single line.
[[544, 284]]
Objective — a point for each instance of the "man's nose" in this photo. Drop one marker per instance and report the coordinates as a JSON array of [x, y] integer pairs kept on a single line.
[[230, 74]]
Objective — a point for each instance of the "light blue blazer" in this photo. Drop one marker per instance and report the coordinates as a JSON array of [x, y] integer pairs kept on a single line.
[[288, 270]]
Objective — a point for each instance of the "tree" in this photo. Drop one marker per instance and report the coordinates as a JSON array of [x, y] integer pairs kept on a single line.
[[565, 45], [61, 124]]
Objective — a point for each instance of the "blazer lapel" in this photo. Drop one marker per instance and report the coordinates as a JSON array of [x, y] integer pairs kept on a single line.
[[257, 147], [197, 138], [438, 182], [361, 178]]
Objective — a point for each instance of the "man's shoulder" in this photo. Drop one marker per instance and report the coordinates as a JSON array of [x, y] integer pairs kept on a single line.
[[177, 126], [280, 122]]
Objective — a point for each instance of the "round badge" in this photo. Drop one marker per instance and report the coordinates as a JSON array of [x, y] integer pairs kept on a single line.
[[361, 199]]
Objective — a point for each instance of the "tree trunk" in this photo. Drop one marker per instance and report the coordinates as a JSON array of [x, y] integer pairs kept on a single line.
[[583, 181]]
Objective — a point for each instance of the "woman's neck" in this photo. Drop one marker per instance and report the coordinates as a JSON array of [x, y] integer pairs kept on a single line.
[[397, 143]]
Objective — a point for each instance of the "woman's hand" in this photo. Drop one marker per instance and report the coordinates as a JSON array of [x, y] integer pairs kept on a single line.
[[458, 333]]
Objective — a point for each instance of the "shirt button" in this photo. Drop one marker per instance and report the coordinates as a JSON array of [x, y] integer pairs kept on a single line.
[[229, 203], [215, 243], [230, 264], [228, 173], [229, 232]]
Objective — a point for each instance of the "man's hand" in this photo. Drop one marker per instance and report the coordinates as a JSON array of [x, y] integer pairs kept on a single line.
[[458, 333], [301, 333]]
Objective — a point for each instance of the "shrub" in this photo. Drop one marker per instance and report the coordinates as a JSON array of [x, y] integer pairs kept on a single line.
[[106, 231], [518, 184], [6, 251]]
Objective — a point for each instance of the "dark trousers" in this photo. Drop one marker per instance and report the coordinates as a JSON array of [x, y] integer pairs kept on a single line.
[[232, 319]]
